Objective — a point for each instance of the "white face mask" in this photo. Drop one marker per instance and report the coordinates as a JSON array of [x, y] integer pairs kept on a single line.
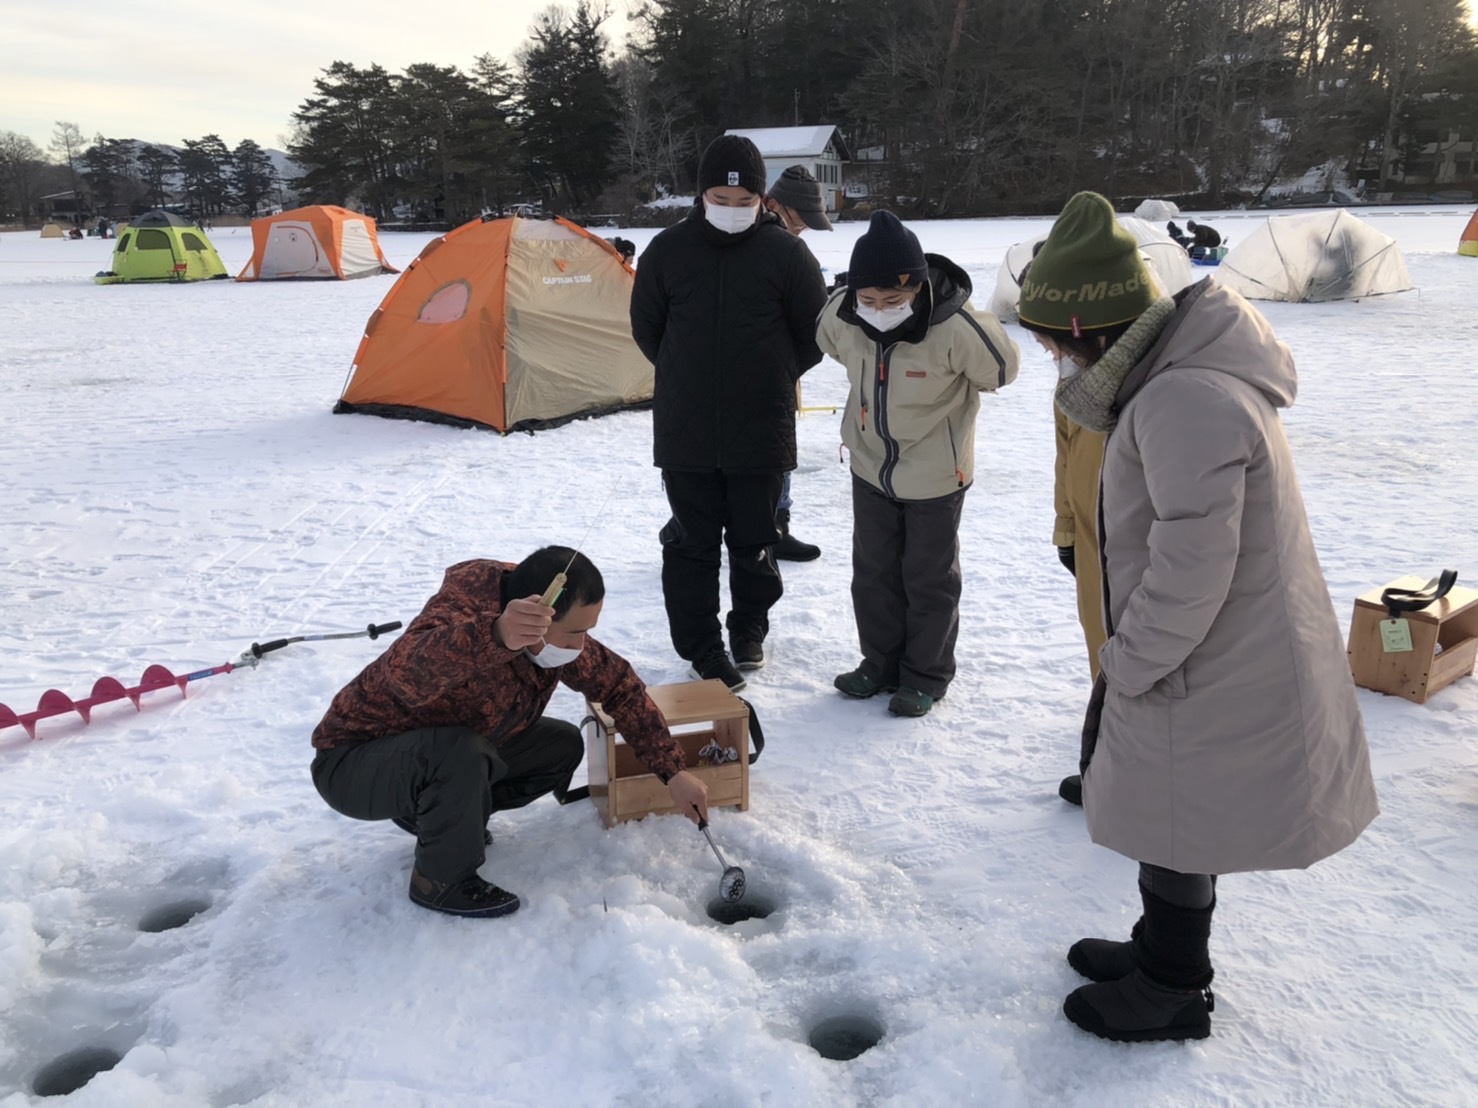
[[552, 657], [1066, 368], [885, 319], [731, 220]]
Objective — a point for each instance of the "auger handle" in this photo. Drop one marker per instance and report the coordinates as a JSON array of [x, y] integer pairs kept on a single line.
[[375, 631]]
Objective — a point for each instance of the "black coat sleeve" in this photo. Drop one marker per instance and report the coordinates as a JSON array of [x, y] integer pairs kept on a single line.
[[649, 305], [805, 297]]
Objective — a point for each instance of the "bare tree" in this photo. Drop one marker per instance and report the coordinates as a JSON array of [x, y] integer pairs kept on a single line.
[[66, 146]]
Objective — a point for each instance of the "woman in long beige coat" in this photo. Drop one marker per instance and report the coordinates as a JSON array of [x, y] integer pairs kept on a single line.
[[1224, 734]]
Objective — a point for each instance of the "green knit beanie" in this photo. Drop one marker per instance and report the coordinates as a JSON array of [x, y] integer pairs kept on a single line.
[[1088, 274]]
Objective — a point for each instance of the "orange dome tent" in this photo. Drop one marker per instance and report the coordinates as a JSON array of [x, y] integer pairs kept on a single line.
[[1467, 243], [513, 324], [321, 241]]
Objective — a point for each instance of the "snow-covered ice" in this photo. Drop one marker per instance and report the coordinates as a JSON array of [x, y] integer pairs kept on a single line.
[[177, 488]]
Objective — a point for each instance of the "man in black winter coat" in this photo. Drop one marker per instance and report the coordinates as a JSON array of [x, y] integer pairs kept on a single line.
[[725, 306]]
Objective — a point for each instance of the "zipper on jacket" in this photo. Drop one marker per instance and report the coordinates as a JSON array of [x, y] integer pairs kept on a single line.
[[954, 453], [880, 415]]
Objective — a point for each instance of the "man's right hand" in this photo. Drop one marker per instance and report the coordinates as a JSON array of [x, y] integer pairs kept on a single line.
[[1068, 556], [523, 623]]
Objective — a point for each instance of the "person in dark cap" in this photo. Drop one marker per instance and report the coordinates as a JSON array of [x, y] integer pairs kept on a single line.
[[918, 355], [1223, 734], [795, 199], [725, 307]]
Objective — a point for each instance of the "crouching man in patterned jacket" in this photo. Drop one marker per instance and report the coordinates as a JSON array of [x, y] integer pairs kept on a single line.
[[447, 726]]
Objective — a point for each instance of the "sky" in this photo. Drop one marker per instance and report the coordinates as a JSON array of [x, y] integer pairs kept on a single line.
[[177, 487], [235, 71]]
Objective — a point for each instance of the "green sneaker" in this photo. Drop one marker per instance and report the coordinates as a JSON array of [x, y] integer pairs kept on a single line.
[[911, 702], [858, 684]]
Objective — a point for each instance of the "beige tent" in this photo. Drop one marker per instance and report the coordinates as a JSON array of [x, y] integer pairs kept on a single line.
[[1313, 257], [52, 231], [508, 323]]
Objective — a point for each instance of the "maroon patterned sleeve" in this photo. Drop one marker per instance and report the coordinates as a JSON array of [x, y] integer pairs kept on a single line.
[[603, 675]]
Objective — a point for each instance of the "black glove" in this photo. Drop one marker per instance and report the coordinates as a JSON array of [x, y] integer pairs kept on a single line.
[[839, 281], [1069, 558]]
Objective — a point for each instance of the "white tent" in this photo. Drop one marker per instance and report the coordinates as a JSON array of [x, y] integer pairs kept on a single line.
[[1166, 258], [1156, 211], [1330, 255]]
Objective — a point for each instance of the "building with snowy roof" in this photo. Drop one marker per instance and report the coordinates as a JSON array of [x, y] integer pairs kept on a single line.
[[819, 148]]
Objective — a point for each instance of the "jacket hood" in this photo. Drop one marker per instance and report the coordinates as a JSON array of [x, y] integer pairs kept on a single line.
[[1215, 328], [950, 285]]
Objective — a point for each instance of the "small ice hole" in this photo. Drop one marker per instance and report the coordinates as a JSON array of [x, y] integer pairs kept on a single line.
[[74, 1069], [167, 917], [842, 1038], [753, 905]]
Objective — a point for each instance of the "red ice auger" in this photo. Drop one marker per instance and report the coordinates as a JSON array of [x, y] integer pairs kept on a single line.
[[105, 690]]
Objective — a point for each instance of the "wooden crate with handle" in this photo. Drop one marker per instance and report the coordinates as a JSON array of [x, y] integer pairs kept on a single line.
[[697, 713]]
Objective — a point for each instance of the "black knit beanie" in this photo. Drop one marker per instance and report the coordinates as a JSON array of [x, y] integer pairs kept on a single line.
[[731, 160], [887, 256]]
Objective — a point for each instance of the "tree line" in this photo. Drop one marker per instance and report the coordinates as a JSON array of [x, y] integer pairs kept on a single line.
[[118, 177], [950, 107]]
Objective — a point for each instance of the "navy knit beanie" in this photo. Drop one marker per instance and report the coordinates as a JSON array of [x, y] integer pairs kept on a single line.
[[731, 160], [887, 256]]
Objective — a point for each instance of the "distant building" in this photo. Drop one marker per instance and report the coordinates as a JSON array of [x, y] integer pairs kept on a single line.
[[63, 207], [820, 149]]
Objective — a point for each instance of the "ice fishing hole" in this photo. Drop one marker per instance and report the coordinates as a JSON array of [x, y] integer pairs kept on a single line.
[[752, 905], [167, 917], [842, 1038], [74, 1069]]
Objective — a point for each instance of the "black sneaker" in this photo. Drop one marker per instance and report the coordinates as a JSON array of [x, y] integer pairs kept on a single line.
[[472, 897], [409, 827], [715, 665], [748, 655]]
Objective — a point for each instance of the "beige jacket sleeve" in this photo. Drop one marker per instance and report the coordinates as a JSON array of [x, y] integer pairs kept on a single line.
[[987, 357], [1064, 530]]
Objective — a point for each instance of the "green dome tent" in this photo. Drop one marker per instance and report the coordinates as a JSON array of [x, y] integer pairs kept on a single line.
[[161, 246]]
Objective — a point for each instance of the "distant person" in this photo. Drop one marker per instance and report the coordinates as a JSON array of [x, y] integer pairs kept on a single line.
[[918, 355], [1201, 239], [625, 247], [1203, 234], [795, 199], [1223, 735], [448, 726], [725, 307]]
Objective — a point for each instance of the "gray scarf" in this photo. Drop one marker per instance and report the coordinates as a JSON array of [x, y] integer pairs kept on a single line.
[[1087, 398]]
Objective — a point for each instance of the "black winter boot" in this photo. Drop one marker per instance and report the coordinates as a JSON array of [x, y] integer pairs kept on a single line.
[[790, 548], [471, 897], [1167, 996], [1104, 959], [1071, 789]]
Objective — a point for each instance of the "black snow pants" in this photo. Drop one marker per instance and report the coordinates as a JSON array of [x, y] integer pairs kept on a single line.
[[448, 781]]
